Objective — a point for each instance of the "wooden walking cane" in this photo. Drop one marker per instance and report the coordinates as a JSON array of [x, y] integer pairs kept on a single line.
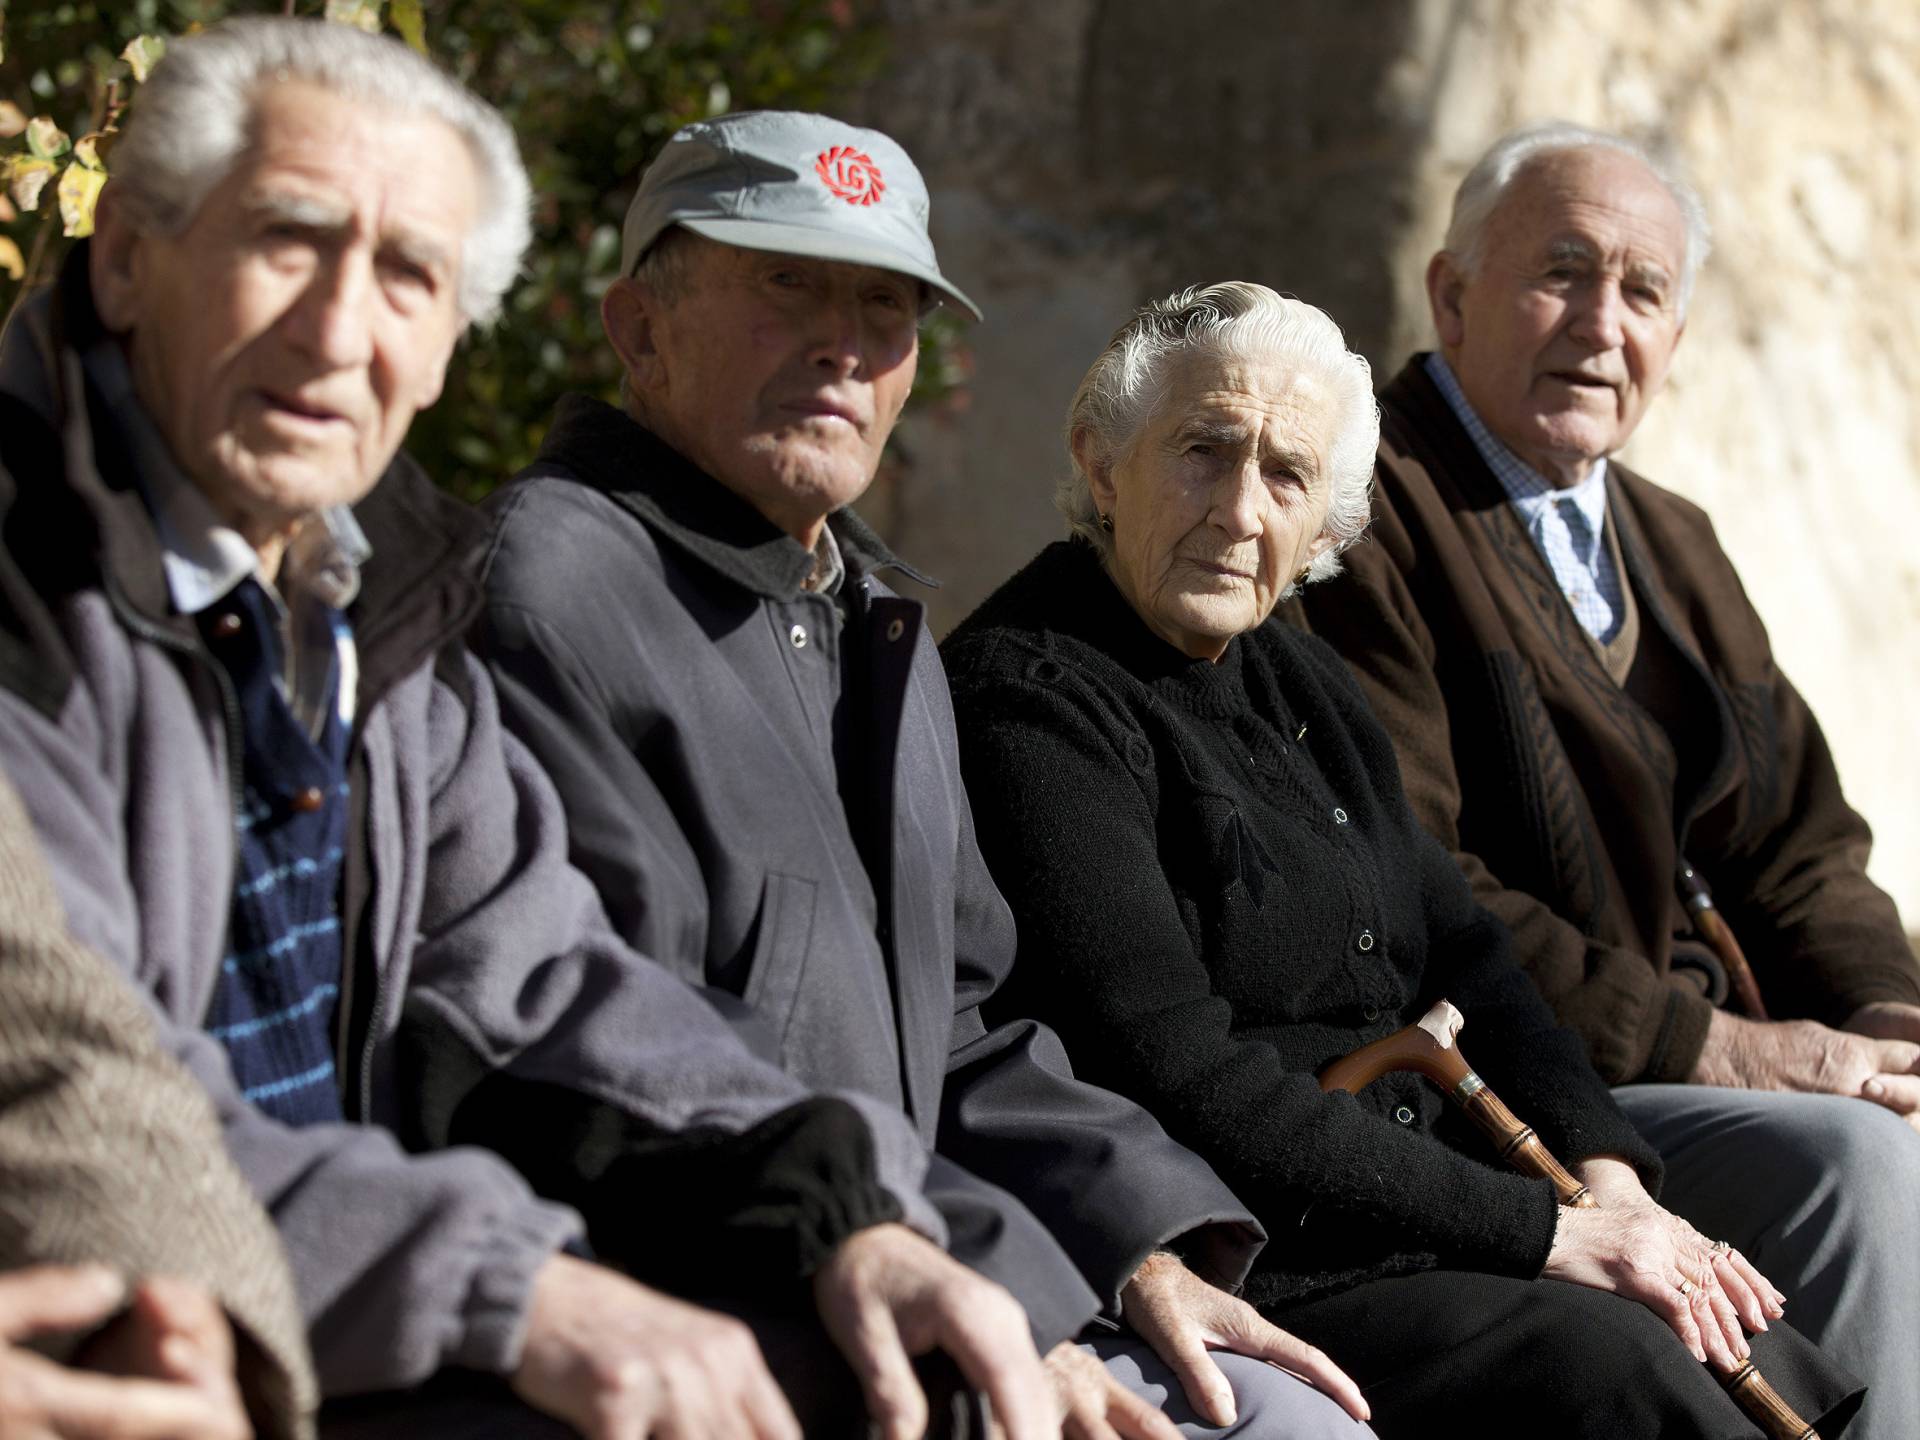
[[1427, 1048], [1714, 929]]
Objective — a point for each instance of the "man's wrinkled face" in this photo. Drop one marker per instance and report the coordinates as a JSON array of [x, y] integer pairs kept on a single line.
[[284, 341], [778, 375], [1221, 499], [1562, 336]]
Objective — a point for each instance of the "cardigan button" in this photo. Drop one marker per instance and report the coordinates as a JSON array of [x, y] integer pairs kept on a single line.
[[308, 800], [226, 625], [798, 635], [1339, 816], [896, 629], [1365, 942], [1403, 1115], [1371, 1015]]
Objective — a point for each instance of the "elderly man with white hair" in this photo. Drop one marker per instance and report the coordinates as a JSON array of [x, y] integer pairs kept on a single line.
[[1587, 712], [274, 791]]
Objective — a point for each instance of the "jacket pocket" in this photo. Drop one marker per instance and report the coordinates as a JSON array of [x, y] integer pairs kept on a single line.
[[782, 941]]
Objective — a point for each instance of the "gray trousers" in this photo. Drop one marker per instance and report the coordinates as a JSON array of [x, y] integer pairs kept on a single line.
[[1822, 1193]]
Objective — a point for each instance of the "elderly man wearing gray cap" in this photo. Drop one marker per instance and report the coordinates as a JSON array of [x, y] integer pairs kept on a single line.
[[753, 739]]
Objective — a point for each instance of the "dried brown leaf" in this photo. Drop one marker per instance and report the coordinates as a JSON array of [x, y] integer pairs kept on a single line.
[[11, 260], [12, 119], [27, 176]]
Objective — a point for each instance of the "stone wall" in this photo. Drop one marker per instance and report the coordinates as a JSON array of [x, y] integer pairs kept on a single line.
[[1085, 156]]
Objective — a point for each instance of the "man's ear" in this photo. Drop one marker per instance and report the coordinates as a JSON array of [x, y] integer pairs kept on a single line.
[[1097, 469], [630, 314], [1445, 282], [115, 262]]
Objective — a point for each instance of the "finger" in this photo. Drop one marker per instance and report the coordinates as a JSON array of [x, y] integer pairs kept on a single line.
[[195, 1339], [1728, 1320], [1316, 1367], [1770, 1294], [1712, 1338], [81, 1406], [999, 1360], [870, 1341], [769, 1416], [1201, 1380], [1134, 1416], [1739, 1291], [57, 1297], [1673, 1307], [1899, 1093]]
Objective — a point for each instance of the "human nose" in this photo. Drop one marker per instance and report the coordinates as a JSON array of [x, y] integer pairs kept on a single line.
[[1237, 500], [331, 319], [1599, 314], [838, 341]]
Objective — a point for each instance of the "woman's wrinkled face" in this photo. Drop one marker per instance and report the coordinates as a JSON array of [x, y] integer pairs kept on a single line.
[[1222, 498]]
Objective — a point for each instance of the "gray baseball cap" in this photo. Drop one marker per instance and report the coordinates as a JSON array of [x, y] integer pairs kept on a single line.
[[796, 183]]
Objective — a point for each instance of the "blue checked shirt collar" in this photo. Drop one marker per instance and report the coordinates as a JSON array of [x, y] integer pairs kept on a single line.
[[1581, 565]]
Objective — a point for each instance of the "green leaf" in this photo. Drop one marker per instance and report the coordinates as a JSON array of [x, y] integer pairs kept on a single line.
[[79, 193], [143, 52], [408, 19], [45, 139]]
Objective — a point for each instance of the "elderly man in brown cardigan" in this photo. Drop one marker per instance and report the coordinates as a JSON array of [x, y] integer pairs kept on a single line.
[[1581, 695]]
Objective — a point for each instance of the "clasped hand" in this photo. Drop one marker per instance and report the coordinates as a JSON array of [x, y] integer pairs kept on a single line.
[[1876, 1057]]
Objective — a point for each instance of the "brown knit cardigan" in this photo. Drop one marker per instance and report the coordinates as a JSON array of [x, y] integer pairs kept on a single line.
[[1567, 797], [110, 1152]]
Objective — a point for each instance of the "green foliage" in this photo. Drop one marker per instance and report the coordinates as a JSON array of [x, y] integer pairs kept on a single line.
[[592, 92]]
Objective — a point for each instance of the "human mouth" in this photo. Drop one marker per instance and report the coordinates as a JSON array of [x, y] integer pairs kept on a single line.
[[1580, 380], [299, 410], [1224, 571], [825, 408]]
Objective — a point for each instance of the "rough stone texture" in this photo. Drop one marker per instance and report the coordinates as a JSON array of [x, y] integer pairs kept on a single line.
[[1086, 156]]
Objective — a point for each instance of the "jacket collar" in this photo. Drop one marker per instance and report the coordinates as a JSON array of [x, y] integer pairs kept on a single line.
[[615, 454], [416, 591]]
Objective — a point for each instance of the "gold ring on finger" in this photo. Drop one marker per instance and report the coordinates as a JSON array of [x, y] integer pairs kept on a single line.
[[1722, 1247], [1686, 1286]]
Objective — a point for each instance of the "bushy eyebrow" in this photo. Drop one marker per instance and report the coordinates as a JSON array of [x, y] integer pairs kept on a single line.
[[329, 217], [1568, 249]]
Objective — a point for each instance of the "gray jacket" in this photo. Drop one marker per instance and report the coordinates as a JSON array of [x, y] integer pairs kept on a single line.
[[771, 803], [479, 961]]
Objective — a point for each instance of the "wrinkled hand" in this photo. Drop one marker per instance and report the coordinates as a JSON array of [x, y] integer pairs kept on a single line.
[[1095, 1406], [1634, 1248], [1874, 1064], [1183, 1317], [618, 1361], [886, 1295], [178, 1352]]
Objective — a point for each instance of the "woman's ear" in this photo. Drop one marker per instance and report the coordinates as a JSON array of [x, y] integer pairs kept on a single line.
[[1095, 466]]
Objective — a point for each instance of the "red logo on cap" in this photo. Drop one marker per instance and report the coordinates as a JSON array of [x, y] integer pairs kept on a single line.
[[850, 174]]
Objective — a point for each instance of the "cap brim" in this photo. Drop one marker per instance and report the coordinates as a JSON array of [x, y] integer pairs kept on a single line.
[[826, 245]]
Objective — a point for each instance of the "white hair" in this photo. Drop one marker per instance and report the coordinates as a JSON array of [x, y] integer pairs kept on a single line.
[[1486, 185], [1240, 319], [193, 118]]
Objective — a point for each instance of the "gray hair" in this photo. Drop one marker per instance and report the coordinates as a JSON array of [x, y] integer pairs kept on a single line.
[[191, 121], [1129, 380], [1486, 185]]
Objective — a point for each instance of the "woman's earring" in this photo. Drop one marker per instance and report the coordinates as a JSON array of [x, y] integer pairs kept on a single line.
[[1106, 523], [1301, 578]]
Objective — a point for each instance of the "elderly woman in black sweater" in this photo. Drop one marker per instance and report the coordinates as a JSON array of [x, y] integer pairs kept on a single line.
[[1220, 889]]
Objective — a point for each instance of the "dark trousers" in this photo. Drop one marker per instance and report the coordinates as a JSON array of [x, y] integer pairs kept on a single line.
[[1450, 1352]]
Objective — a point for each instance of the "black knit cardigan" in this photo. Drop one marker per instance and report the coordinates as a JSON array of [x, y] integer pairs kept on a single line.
[[1220, 888]]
